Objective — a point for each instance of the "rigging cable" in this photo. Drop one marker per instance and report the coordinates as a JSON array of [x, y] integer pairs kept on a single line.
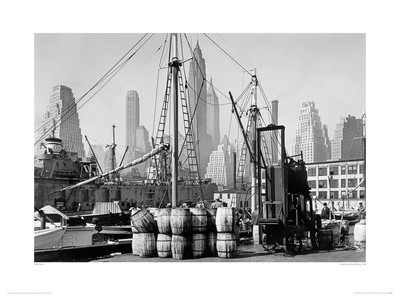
[[157, 83], [227, 54]]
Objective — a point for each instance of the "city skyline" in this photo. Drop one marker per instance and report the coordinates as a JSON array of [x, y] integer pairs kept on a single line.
[[330, 68]]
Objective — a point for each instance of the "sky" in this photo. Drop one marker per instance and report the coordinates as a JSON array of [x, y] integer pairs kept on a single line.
[[329, 69]]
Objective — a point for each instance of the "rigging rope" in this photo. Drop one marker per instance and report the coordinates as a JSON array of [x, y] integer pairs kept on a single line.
[[228, 55]]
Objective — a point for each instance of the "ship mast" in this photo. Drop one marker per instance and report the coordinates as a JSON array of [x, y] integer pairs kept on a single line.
[[254, 113], [175, 64]]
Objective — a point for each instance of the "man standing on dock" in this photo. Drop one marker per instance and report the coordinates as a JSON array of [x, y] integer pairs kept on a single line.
[[325, 212]]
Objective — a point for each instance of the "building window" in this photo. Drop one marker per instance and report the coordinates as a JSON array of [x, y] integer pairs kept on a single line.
[[343, 183], [333, 170], [361, 169], [353, 194], [312, 184], [352, 169], [322, 195], [343, 170], [352, 182], [362, 194], [322, 184], [312, 172], [334, 183], [322, 171], [334, 195]]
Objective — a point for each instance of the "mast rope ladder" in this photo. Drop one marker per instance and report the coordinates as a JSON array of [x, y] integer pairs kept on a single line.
[[156, 161], [189, 135], [243, 153]]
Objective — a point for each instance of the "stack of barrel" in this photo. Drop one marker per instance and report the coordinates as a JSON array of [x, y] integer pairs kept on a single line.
[[199, 231], [226, 235], [164, 236], [181, 228], [183, 233], [144, 244], [211, 232]]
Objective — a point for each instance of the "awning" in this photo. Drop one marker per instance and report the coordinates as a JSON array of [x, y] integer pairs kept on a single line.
[[50, 210]]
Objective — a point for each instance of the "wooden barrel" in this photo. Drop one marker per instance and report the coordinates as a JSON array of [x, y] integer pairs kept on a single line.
[[325, 239], [164, 220], [181, 223], [199, 219], [164, 245], [211, 215], [199, 245], [256, 234], [360, 231], [181, 247], [211, 244], [225, 219], [143, 221], [135, 239], [147, 245], [335, 227], [226, 244]]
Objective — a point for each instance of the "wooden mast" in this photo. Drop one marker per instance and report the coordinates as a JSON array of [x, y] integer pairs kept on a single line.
[[174, 64], [254, 114]]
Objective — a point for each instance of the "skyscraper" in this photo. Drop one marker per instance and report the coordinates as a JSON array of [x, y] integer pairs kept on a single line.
[[220, 167], [132, 112], [213, 115], [61, 120], [327, 142], [197, 103], [309, 136], [142, 139], [347, 141]]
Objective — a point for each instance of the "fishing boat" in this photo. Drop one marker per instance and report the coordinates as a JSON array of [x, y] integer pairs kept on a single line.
[[49, 237], [68, 238], [350, 215]]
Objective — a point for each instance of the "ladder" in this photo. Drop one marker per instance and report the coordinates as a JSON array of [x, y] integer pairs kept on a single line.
[[194, 172], [243, 153], [265, 146], [189, 134], [155, 165]]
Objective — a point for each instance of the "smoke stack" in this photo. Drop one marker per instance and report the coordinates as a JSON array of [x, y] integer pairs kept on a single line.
[[275, 112], [234, 170], [274, 104]]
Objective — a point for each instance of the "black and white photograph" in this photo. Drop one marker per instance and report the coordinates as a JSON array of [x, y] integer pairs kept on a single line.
[[168, 153], [178, 152]]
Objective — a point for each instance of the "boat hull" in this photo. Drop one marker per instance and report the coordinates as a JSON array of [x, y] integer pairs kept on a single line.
[[48, 238]]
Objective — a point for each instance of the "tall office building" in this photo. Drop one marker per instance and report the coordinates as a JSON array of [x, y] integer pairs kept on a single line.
[[197, 104], [132, 113], [213, 115], [142, 139], [347, 143], [327, 142], [61, 120], [220, 167], [309, 135]]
